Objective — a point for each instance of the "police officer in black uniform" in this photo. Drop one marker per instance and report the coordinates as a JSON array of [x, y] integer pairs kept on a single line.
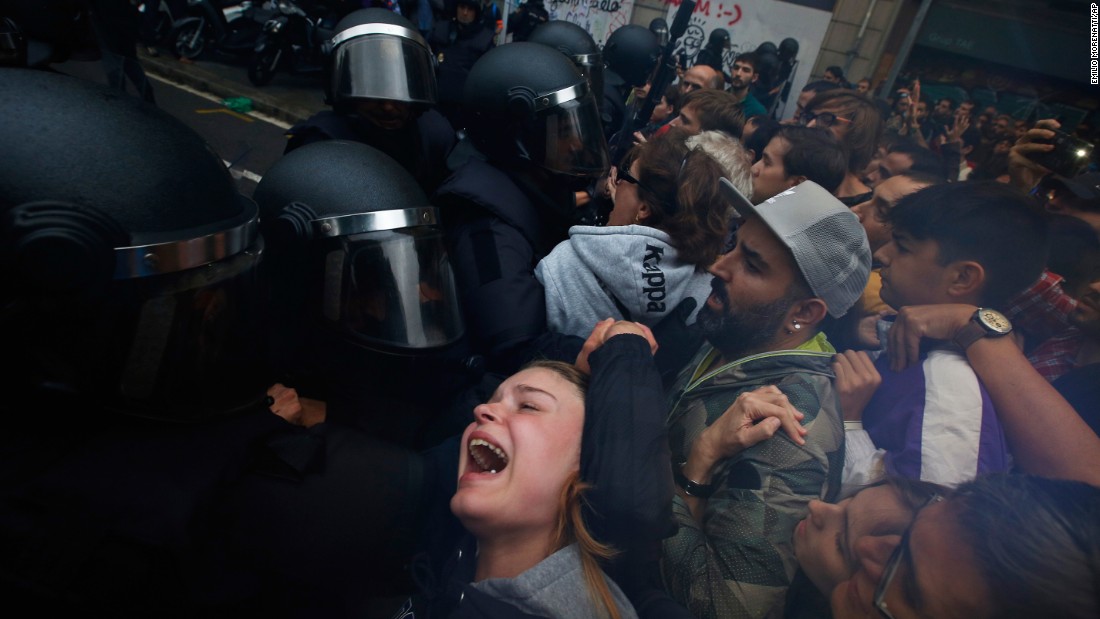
[[534, 139], [141, 473], [136, 384], [366, 315], [714, 51], [527, 16], [575, 42], [458, 43], [387, 104], [630, 54]]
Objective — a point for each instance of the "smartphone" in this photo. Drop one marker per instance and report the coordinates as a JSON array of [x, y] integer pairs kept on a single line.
[[1070, 155]]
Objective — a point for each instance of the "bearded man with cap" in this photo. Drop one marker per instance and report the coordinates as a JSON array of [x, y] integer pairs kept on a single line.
[[800, 257]]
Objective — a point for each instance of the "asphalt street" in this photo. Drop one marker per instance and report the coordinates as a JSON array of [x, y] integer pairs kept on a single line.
[[194, 93]]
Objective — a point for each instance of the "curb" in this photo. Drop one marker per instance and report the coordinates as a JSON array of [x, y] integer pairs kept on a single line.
[[208, 81]]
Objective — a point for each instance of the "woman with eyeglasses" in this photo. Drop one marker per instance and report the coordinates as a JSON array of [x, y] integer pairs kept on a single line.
[[667, 226], [1002, 546], [857, 124], [828, 541]]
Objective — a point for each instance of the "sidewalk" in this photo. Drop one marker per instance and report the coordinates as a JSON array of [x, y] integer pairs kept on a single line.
[[288, 98]]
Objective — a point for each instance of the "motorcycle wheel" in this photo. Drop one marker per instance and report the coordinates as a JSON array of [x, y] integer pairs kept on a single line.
[[190, 41], [262, 68], [162, 29]]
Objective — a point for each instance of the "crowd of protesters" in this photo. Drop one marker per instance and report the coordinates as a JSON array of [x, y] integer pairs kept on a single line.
[[843, 364]]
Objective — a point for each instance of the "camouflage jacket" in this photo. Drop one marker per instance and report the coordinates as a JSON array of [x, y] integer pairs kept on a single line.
[[741, 561]]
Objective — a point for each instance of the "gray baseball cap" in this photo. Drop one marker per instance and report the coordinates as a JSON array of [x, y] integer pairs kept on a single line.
[[827, 241]]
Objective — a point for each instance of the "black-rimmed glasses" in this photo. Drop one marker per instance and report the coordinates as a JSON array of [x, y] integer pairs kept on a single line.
[[896, 558], [622, 174]]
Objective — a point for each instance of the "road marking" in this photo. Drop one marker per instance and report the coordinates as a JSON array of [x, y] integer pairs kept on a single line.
[[222, 110], [239, 174], [210, 97]]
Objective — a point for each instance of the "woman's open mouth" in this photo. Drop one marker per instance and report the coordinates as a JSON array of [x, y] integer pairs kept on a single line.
[[486, 457]]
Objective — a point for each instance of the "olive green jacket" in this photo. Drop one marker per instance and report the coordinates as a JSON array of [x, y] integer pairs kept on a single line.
[[741, 561]]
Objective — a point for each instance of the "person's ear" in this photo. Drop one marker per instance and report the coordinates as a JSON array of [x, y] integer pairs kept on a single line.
[[808, 313], [966, 279], [643, 212], [796, 180]]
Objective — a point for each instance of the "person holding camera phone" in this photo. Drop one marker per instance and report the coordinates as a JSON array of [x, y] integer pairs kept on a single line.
[[1054, 166]]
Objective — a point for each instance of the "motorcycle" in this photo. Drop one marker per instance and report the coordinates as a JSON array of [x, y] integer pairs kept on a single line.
[[230, 27], [294, 40], [159, 17]]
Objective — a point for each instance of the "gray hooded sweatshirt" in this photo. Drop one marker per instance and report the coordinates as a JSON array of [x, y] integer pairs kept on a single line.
[[555, 587], [635, 265]]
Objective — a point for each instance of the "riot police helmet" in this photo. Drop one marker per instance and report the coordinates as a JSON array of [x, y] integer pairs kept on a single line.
[[355, 246], [767, 67], [130, 260], [719, 39], [632, 52], [788, 49], [525, 102], [378, 54], [659, 27], [575, 42]]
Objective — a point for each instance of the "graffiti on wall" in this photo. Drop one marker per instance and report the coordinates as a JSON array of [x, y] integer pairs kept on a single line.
[[599, 17], [751, 23]]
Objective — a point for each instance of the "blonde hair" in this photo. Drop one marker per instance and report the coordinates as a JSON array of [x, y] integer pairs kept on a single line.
[[570, 526], [572, 529]]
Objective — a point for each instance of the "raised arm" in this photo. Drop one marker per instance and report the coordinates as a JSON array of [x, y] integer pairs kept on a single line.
[[737, 560]]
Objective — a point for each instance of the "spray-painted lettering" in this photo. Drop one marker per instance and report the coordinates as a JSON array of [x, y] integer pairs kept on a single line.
[[704, 8]]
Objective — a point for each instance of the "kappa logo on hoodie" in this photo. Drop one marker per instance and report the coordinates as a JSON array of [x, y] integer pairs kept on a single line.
[[654, 278]]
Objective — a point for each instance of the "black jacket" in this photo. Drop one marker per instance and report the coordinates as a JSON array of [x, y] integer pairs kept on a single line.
[[420, 147], [457, 47], [497, 231]]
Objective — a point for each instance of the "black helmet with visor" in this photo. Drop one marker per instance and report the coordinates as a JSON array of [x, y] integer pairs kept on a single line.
[[355, 245], [575, 42], [130, 260], [377, 54], [527, 102]]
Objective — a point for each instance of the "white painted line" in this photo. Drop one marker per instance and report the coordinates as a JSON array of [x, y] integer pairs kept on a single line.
[[209, 97]]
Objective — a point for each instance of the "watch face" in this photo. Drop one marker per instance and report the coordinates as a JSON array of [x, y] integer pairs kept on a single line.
[[995, 321]]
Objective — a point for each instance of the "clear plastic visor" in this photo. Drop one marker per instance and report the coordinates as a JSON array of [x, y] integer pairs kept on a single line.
[[590, 67], [383, 67], [569, 139], [393, 288]]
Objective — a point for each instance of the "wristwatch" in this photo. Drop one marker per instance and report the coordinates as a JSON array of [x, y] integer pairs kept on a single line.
[[985, 322], [691, 488]]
